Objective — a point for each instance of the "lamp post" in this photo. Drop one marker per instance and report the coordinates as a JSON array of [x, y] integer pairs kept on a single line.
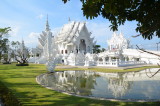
[[157, 45]]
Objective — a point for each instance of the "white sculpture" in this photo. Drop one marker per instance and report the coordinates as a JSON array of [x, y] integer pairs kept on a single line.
[[51, 64], [90, 59], [47, 43]]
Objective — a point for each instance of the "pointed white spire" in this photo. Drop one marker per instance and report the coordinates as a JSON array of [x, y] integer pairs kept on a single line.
[[22, 47], [114, 34], [22, 42], [69, 19], [121, 34], [47, 24]]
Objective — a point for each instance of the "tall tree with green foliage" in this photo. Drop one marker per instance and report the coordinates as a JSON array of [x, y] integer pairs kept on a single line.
[[14, 45], [96, 49], [145, 12], [3, 42], [103, 49]]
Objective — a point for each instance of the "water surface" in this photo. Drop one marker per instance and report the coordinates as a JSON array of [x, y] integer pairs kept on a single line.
[[142, 85]]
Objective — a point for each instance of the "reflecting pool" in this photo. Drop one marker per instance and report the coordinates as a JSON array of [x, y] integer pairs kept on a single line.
[[142, 85]]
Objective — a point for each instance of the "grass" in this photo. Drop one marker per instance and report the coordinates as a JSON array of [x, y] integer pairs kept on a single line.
[[106, 70], [21, 82]]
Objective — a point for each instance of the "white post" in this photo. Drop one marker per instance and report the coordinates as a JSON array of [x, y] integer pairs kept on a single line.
[[104, 61]]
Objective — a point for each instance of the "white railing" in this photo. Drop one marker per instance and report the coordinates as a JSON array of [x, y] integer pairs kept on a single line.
[[117, 63], [125, 63], [106, 63], [90, 63]]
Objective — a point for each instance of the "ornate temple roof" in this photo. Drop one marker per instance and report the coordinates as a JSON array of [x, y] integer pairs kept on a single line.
[[118, 39], [70, 32]]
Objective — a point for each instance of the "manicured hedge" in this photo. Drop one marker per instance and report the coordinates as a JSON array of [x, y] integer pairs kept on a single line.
[[6, 63], [22, 64]]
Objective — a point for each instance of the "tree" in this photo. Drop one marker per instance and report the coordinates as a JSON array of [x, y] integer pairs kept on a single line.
[[22, 55], [4, 31], [4, 42], [96, 49], [103, 49], [145, 12], [14, 48]]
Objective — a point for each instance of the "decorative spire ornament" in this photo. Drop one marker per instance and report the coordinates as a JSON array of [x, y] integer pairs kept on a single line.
[[69, 19], [47, 25]]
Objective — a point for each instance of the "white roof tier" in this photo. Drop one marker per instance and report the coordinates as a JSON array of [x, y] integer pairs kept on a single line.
[[69, 31]]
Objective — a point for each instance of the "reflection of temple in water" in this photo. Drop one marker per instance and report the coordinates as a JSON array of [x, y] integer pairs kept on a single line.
[[78, 82], [116, 85], [120, 83]]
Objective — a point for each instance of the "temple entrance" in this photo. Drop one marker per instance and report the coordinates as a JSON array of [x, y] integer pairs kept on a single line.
[[88, 49], [82, 46], [70, 49]]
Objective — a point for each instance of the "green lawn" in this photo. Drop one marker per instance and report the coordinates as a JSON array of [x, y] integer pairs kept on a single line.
[[20, 80]]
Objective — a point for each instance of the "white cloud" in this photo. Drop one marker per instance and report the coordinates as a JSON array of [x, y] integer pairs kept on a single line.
[[32, 39], [55, 31], [41, 16], [14, 31], [33, 35]]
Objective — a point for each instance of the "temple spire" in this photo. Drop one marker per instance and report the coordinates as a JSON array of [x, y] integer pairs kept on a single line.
[[121, 34], [47, 24], [69, 19]]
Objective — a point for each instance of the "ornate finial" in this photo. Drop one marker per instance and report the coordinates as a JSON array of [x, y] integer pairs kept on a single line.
[[22, 40], [114, 33], [47, 24], [121, 34], [69, 19]]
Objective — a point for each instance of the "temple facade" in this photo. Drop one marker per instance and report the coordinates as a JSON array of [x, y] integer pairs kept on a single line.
[[74, 37], [72, 43]]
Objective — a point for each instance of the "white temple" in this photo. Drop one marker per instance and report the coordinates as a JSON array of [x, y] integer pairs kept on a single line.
[[74, 45], [119, 53]]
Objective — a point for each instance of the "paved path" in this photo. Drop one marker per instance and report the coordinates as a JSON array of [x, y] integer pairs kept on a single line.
[[87, 67]]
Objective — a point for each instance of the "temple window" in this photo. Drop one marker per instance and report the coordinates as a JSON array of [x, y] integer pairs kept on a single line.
[[62, 61], [100, 59], [106, 58], [77, 50], [137, 59], [65, 51], [37, 55], [62, 52]]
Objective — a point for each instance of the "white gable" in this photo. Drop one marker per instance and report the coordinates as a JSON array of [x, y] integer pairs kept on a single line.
[[69, 32], [118, 42]]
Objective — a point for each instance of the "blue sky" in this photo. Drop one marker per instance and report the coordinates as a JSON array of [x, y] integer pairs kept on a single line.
[[27, 19]]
